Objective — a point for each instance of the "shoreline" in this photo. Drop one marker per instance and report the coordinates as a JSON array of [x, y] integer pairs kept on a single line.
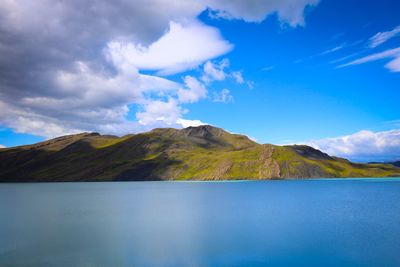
[[371, 179]]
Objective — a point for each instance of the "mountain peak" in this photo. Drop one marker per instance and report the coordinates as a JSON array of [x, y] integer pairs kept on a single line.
[[203, 131]]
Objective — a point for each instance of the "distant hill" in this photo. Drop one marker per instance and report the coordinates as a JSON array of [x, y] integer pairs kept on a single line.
[[396, 163], [193, 153]]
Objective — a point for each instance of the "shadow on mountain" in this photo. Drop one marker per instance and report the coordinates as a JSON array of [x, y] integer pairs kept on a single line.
[[204, 152]]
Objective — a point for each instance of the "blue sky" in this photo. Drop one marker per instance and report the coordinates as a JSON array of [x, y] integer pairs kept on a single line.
[[324, 73], [311, 99]]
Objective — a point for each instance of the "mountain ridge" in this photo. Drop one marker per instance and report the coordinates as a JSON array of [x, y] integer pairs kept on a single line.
[[193, 153], [396, 163]]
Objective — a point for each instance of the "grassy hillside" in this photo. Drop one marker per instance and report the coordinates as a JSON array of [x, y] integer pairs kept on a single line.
[[201, 153]]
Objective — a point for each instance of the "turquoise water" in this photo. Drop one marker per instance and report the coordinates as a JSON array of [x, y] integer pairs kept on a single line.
[[266, 223]]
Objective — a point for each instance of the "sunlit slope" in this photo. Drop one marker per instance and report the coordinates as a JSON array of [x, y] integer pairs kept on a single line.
[[197, 153]]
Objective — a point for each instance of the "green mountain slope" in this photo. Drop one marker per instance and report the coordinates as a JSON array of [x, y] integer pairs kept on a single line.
[[198, 153]]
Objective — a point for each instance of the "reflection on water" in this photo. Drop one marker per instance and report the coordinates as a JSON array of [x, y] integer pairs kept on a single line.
[[270, 223]]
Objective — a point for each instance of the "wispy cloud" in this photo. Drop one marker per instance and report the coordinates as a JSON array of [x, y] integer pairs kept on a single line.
[[330, 51], [373, 42], [393, 123], [334, 49], [382, 37], [2, 146], [393, 65], [336, 36], [268, 68], [346, 57]]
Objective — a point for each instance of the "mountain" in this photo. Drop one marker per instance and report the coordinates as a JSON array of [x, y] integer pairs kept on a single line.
[[396, 163], [198, 153]]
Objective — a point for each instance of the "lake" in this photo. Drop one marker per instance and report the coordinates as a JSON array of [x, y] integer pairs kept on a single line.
[[353, 222]]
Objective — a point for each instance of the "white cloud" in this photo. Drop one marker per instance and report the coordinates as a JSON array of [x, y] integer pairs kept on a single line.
[[237, 76], [181, 48], [158, 112], [252, 138], [2, 146], [224, 96], [219, 71], [97, 100], [69, 66], [92, 101], [187, 123], [193, 92], [41, 127], [66, 119], [390, 53], [334, 49], [394, 65], [345, 57], [215, 71], [363, 146], [382, 37]]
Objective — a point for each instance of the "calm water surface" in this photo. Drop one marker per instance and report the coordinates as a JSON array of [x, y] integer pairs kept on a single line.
[[269, 223]]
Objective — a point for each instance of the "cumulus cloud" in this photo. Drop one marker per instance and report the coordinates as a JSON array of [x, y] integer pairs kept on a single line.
[[194, 90], [187, 123], [215, 71], [393, 65], [383, 37], [291, 12], [157, 111], [223, 96], [70, 66], [219, 71], [181, 48], [363, 146]]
